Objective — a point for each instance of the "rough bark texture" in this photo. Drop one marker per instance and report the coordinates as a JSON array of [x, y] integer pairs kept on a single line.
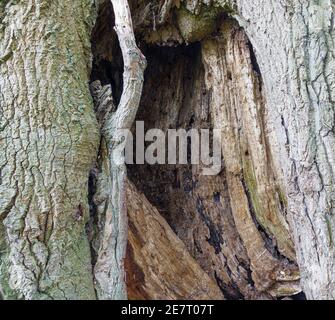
[[294, 43], [49, 140], [262, 71]]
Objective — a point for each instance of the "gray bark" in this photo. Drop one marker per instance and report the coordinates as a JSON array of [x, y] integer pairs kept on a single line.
[[294, 43], [276, 112], [49, 140]]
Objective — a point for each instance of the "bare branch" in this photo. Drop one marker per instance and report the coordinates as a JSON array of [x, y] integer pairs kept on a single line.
[[109, 269]]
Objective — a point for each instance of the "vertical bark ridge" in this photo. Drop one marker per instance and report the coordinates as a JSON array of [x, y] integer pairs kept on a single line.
[[299, 91], [47, 124]]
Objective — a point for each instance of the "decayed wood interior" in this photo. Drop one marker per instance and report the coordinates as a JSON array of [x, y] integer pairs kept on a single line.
[[226, 236]]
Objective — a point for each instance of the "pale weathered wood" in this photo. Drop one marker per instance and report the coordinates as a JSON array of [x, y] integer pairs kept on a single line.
[[294, 45], [109, 269]]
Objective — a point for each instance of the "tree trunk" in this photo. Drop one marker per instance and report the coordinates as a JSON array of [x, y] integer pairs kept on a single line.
[[297, 66], [49, 140], [260, 71]]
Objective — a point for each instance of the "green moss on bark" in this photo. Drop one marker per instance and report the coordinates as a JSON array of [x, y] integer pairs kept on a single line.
[[196, 27]]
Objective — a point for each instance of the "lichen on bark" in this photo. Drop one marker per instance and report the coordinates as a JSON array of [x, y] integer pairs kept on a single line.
[[49, 140], [195, 27], [266, 79]]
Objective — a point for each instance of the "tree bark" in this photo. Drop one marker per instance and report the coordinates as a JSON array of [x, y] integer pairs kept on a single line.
[[49, 141], [261, 71], [294, 47]]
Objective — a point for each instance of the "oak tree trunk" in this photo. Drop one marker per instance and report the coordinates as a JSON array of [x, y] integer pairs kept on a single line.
[[49, 140], [263, 72]]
